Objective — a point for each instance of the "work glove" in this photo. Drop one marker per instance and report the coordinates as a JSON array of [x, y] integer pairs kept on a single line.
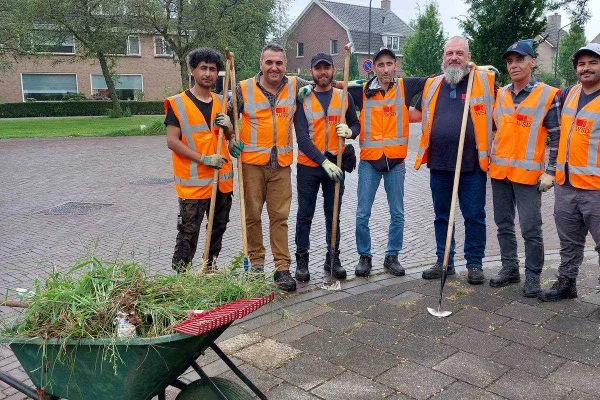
[[333, 171], [304, 91], [223, 121], [356, 83], [343, 131], [546, 182], [214, 161], [235, 147]]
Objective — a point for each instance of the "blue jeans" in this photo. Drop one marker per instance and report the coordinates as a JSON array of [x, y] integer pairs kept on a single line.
[[368, 182], [471, 198]]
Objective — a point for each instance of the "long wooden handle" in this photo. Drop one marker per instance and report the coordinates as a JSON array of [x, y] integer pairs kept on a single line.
[[231, 59], [15, 304], [336, 196], [215, 183], [461, 144]]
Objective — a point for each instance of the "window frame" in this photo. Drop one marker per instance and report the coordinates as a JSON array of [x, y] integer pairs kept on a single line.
[[33, 45], [331, 43], [391, 39], [100, 74], [47, 73], [162, 38], [298, 55]]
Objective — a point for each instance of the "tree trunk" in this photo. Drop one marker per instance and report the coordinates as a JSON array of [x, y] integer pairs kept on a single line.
[[110, 84], [185, 74]]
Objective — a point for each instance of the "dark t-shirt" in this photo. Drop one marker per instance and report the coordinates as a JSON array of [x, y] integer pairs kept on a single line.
[[205, 109], [445, 131]]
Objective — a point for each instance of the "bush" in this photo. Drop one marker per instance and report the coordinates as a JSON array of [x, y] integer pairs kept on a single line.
[[76, 108], [549, 79]]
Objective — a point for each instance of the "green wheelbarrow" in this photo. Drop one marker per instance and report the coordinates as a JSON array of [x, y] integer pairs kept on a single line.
[[143, 368]]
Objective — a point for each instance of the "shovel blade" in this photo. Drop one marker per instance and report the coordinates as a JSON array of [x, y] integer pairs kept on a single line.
[[439, 314]]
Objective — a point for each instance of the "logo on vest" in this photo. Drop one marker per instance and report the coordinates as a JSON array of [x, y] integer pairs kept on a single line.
[[333, 120], [479, 109], [282, 111], [524, 120], [389, 111], [584, 126]]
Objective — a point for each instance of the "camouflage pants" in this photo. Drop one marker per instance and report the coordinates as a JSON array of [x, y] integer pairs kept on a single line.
[[191, 214]]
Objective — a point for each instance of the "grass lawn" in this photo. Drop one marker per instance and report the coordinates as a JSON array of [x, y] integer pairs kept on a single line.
[[81, 126]]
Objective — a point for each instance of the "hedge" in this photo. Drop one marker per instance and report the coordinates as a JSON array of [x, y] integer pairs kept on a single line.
[[76, 108]]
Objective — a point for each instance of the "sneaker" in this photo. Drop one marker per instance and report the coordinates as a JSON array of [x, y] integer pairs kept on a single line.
[[284, 281], [338, 271], [531, 288], [364, 266], [394, 267], [563, 288], [506, 276], [302, 273], [435, 272], [475, 275]]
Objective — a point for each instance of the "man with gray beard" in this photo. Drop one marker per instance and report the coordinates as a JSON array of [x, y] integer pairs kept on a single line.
[[442, 110]]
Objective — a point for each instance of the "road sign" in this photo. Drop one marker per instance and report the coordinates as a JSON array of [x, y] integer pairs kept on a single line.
[[368, 65]]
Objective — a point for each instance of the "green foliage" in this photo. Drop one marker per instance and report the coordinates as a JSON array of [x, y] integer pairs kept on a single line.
[[354, 72], [423, 50], [569, 44], [548, 78], [75, 108]]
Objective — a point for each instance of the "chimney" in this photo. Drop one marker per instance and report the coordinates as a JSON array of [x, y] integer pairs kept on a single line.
[[386, 5], [553, 21]]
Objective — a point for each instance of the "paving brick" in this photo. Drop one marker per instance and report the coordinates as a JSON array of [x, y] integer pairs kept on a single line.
[[471, 369], [389, 314], [336, 321], [330, 298], [356, 303], [377, 335], [577, 376], [574, 326], [526, 334], [461, 391], [310, 313], [519, 385], [525, 358], [363, 288], [351, 386], [575, 349], [261, 379], [576, 395], [267, 354], [324, 343], [477, 319], [366, 361], [295, 333], [428, 326], [415, 380], [307, 371], [277, 327], [593, 298], [424, 351], [483, 301], [573, 307], [525, 313], [473, 341], [286, 391], [404, 298]]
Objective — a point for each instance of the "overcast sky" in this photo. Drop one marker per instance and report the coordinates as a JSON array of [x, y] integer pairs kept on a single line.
[[449, 10]]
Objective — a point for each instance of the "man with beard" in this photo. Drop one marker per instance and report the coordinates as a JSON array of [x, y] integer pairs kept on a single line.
[[318, 128], [442, 109], [190, 117], [577, 195], [526, 113]]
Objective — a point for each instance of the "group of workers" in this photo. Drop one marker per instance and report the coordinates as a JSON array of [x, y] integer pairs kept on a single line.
[[509, 132]]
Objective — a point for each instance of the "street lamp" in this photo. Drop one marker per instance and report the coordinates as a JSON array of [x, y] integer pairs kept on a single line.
[[369, 57]]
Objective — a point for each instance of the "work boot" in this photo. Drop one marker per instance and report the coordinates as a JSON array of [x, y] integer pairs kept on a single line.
[[257, 268], [435, 272], [338, 271], [475, 275], [506, 276], [563, 288], [302, 273], [284, 280], [393, 266], [364, 266], [531, 288]]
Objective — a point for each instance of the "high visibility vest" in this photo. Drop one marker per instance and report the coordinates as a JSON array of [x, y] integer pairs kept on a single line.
[[194, 180], [519, 148], [579, 145], [264, 126], [384, 124], [481, 108], [322, 125]]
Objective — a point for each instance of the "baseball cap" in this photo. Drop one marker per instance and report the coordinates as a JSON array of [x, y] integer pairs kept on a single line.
[[383, 51], [590, 47], [321, 57], [522, 47]]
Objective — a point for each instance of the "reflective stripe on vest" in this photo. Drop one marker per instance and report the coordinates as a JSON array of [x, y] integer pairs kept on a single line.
[[398, 102]]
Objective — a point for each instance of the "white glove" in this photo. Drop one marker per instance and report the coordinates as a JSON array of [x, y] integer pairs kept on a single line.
[[335, 173], [214, 161], [304, 91], [546, 182], [223, 121], [343, 131]]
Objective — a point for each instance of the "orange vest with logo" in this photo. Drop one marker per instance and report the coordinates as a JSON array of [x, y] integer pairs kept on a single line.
[[322, 125], [481, 108], [579, 145], [194, 180], [264, 126], [519, 147], [384, 124]]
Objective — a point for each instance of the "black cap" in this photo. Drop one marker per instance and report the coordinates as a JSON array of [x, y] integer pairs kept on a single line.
[[383, 51], [321, 57], [593, 48], [522, 47]]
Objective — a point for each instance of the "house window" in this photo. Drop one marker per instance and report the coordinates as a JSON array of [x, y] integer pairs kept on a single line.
[[44, 42], [48, 86], [162, 47], [131, 47], [127, 86], [333, 47], [300, 50], [393, 42]]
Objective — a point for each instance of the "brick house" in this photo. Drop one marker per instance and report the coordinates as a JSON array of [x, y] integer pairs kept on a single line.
[[327, 26], [144, 66], [548, 43]]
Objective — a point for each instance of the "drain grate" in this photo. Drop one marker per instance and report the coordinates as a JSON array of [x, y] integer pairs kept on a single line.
[[153, 181], [75, 208]]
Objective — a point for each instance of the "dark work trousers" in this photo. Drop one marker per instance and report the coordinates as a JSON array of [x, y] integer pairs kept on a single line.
[[191, 214], [576, 212], [527, 200], [309, 179]]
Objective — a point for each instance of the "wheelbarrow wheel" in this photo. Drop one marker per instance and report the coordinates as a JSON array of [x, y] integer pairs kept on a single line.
[[201, 390]]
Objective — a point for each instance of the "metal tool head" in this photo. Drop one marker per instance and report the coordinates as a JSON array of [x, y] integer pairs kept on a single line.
[[438, 313]]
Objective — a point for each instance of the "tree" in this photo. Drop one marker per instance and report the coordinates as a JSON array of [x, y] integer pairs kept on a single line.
[[423, 50], [353, 72], [568, 45]]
